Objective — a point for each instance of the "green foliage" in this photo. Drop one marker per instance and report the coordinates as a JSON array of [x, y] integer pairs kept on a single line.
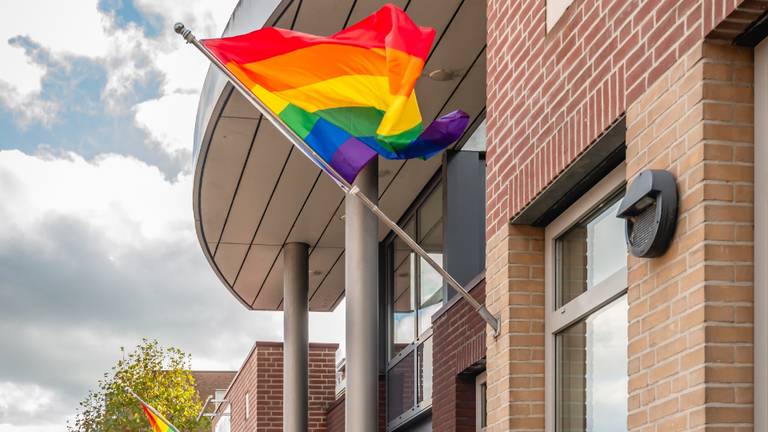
[[158, 375]]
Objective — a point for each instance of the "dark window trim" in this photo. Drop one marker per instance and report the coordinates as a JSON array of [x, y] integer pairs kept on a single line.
[[422, 409], [477, 280], [605, 154], [754, 34]]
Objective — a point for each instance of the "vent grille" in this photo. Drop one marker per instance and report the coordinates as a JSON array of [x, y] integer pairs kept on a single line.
[[644, 227]]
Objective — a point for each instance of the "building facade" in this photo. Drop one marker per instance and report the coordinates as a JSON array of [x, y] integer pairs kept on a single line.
[[579, 103], [254, 399], [570, 100]]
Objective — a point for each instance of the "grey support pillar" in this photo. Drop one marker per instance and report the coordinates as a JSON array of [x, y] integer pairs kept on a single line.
[[296, 335], [361, 284]]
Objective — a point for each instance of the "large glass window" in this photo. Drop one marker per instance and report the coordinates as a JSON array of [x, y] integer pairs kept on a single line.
[[403, 293], [417, 289], [415, 294], [587, 313]]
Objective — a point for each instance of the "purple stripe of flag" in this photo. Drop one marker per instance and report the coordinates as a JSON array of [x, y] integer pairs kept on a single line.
[[351, 157]]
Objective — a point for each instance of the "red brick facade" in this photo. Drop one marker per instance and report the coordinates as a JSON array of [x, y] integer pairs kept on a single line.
[[261, 378], [335, 418], [669, 68], [459, 353], [550, 95]]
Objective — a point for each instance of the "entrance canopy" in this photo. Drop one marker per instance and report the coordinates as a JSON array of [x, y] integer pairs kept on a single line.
[[253, 192]]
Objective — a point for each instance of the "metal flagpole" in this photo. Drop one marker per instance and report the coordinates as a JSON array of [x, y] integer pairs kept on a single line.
[[348, 188]]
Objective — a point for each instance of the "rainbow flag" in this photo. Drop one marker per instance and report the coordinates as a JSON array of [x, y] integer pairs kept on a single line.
[[350, 95], [158, 422]]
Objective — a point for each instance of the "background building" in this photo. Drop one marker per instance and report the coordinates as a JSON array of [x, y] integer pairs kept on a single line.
[[254, 399]]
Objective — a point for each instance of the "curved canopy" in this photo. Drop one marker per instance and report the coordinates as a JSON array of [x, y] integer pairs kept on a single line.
[[254, 193]]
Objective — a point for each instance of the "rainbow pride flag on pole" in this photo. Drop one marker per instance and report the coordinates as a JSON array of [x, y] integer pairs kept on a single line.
[[157, 421], [349, 96]]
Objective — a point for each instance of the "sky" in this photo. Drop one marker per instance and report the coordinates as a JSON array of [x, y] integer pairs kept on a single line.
[[97, 241]]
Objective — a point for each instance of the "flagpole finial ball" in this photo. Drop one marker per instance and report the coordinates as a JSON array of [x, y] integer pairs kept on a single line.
[[178, 27]]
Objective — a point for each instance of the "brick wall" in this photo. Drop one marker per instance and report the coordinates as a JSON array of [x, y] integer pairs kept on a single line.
[[550, 95], [335, 414], [515, 359], [459, 353], [690, 332], [261, 377]]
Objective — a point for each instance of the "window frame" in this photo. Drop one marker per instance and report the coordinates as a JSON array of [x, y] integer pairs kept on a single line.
[[555, 9], [247, 405], [419, 408], [480, 403], [558, 319], [411, 215]]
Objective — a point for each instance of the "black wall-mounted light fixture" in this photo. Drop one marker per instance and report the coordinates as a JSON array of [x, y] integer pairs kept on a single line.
[[650, 212]]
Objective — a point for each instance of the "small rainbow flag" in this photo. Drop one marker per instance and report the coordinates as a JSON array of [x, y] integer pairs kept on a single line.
[[157, 421], [350, 95]]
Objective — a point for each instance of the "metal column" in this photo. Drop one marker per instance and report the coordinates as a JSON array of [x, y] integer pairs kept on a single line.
[[361, 284], [296, 335]]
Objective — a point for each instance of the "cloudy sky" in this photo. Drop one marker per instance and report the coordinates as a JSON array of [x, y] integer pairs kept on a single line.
[[97, 241]]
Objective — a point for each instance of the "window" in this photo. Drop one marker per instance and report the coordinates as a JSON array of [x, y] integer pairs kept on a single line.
[[218, 396], [586, 322], [415, 293], [481, 405], [477, 141], [555, 10], [247, 405], [417, 288]]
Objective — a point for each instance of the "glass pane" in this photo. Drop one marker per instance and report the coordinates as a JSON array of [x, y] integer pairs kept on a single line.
[[431, 239], [431, 294], [483, 408], [589, 253], [476, 141], [400, 391], [403, 294], [430, 221], [592, 372], [425, 371]]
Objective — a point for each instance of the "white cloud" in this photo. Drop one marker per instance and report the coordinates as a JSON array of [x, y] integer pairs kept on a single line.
[[169, 120], [82, 32], [28, 399], [88, 245], [127, 200], [50, 427], [127, 54]]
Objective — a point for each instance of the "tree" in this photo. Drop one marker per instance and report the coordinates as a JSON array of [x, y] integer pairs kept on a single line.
[[160, 376]]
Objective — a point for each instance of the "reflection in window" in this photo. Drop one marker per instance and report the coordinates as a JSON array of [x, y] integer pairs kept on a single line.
[[404, 298], [481, 404], [400, 390], [425, 371], [430, 218], [476, 141], [592, 372], [589, 253], [415, 294], [417, 289]]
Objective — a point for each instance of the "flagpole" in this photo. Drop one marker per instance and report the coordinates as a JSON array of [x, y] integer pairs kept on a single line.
[[347, 187]]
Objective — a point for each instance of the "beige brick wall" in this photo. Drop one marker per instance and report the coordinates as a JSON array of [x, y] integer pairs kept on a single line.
[[690, 332], [515, 359]]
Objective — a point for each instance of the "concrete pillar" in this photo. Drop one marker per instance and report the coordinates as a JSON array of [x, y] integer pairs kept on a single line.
[[296, 335], [361, 282]]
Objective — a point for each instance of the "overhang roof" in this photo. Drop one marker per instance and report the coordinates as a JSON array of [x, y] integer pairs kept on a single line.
[[254, 193]]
